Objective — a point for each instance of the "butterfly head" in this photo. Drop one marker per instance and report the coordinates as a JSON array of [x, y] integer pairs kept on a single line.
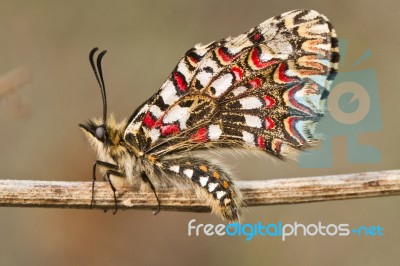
[[96, 132], [102, 133], [103, 136]]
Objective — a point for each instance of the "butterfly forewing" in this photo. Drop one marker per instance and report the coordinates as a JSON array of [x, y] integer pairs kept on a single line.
[[262, 89]]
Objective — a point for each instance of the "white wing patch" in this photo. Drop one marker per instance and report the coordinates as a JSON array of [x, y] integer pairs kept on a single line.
[[177, 113], [249, 103], [214, 132], [222, 84], [168, 93], [253, 121], [248, 138]]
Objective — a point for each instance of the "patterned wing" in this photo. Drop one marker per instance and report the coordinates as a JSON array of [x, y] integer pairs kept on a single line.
[[263, 89]]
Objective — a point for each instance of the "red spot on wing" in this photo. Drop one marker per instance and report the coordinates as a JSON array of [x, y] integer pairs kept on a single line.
[[193, 59], [291, 122], [255, 83], [200, 135], [238, 72], [269, 101], [261, 142], [255, 58], [180, 81], [169, 129], [294, 102], [148, 120], [224, 55], [257, 37], [282, 74], [269, 123]]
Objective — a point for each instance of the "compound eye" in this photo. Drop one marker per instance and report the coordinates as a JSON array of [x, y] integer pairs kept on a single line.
[[100, 133]]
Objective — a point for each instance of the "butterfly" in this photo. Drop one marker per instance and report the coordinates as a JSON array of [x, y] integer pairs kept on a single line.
[[261, 91]]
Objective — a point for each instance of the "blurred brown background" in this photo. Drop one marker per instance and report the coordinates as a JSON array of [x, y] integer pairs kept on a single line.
[[40, 138]]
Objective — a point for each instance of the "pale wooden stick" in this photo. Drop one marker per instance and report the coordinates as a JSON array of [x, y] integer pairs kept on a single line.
[[77, 195]]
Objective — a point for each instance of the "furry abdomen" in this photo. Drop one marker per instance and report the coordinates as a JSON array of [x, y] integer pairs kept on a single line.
[[211, 182]]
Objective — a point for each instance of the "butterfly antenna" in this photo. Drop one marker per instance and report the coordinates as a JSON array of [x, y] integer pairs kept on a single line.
[[98, 72]]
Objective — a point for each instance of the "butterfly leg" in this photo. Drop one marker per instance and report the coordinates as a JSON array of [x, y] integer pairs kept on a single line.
[[115, 173], [95, 164], [146, 179]]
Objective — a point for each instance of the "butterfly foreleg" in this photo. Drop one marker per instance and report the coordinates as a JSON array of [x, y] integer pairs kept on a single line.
[[95, 164], [146, 179], [114, 173]]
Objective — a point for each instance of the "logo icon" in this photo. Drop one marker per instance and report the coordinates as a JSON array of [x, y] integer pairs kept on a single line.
[[353, 110]]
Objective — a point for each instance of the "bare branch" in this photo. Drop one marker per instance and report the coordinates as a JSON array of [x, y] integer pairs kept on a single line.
[[53, 194]]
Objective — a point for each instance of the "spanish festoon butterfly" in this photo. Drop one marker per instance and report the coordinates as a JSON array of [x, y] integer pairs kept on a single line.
[[263, 90]]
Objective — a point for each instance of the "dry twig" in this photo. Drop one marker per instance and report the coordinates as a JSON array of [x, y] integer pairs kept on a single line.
[[54, 194]]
